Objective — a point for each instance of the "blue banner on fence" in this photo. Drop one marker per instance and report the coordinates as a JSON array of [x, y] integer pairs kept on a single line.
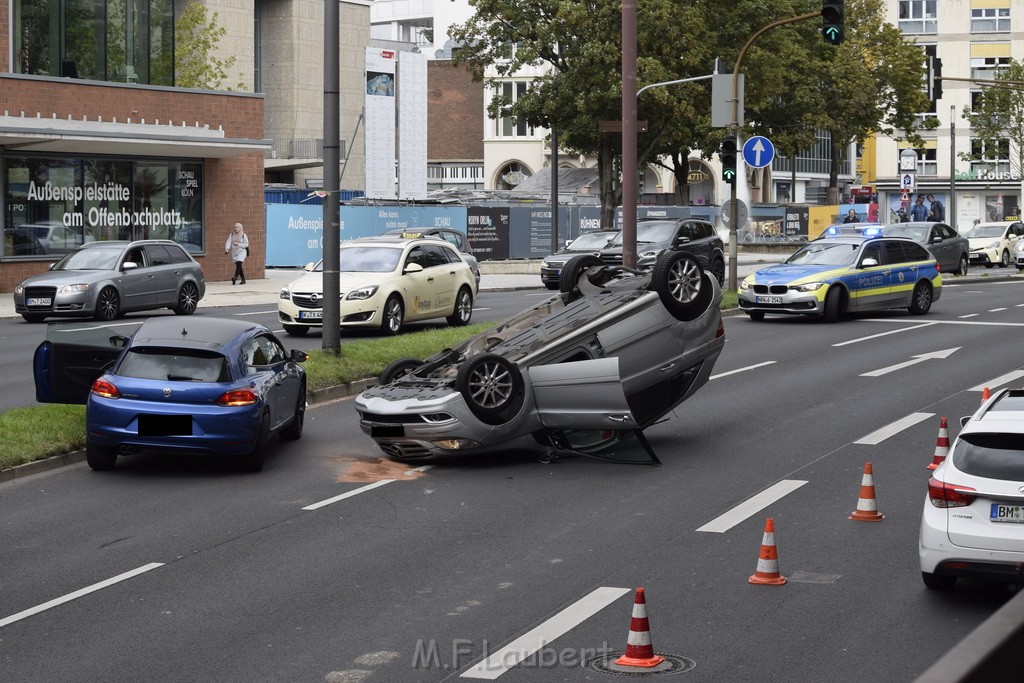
[[294, 234], [367, 221]]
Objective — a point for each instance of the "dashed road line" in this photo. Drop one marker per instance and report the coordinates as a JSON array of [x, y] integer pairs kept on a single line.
[[348, 494], [752, 505], [879, 435], [749, 367], [884, 334], [999, 381], [969, 315]]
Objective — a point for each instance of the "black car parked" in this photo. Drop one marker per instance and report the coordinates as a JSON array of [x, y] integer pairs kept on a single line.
[[653, 237]]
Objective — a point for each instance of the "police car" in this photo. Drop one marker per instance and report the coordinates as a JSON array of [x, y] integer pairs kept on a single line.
[[845, 270]]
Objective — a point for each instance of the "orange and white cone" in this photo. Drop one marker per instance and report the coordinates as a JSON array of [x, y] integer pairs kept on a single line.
[[867, 506], [767, 573], [941, 445], [639, 649], [985, 395]]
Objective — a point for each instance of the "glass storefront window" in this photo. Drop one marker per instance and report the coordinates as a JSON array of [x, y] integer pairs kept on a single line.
[[52, 205], [131, 41]]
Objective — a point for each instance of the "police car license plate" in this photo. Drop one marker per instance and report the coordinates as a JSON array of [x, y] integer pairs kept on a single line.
[[769, 299], [38, 301], [311, 315], [1007, 513]]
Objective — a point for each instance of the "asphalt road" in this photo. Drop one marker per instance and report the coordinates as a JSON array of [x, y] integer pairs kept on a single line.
[[418, 578]]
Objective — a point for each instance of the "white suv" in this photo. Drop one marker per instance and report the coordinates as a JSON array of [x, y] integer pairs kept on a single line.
[[973, 519]]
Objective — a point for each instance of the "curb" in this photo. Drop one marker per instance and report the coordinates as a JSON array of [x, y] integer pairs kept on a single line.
[[51, 463]]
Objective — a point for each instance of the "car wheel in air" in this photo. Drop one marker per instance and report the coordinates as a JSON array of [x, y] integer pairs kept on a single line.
[[398, 369], [679, 281], [832, 305], [463, 309], [253, 460], [491, 385], [393, 315], [938, 582], [99, 457], [188, 299], [296, 330], [108, 305], [293, 431], [33, 317], [1005, 260], [568, 281], [962, 268], [718, 270], [921, 299], [756, 316]]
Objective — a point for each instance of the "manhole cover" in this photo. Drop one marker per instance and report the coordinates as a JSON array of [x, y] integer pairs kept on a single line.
[[673, 664]]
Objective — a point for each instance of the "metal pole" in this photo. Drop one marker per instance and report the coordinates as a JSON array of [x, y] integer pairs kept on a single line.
[[554, 190], [952, 217], [332, 182], [629, 176]]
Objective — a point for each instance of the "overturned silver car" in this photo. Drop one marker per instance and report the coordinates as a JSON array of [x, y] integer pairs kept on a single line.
[[581, 373]]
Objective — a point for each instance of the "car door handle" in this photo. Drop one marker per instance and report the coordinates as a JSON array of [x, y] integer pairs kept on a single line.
[[666, 368], [430, 279], [619, 418]]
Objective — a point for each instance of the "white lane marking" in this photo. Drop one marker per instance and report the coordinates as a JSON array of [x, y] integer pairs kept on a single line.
[[879, 435], [919, 358], [348, 494], [752, 505], [480, 309], [969, 315], [258, 312], [996, 310], [884, 334], [519, 649], [414, 470], [749, 367], [1019, 305], [999, 381], [981, 323], [78, 593]]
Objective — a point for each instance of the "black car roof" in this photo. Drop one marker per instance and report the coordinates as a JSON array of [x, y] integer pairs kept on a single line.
[[193, 332]]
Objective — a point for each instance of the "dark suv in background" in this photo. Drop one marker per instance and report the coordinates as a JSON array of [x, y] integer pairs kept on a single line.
[[693, 236]]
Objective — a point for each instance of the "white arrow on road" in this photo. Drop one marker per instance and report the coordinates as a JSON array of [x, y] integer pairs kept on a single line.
[[758, 147], [906, 364]]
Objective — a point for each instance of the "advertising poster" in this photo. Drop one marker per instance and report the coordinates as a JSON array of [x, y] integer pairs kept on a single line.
[[367, 221], [379, 138], [412, 125], [487, 230], [295, 234], [916, 206]]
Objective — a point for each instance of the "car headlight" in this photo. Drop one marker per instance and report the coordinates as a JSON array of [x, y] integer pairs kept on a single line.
[[73, 289], [746, 285], [20, 288], [808, 286], [285, 294], [1020, 248], [993, 245], [362, 293], [650, 254]]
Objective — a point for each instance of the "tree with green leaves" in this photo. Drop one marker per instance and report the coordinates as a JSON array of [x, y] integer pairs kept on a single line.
[[196, 61], [997, 120]]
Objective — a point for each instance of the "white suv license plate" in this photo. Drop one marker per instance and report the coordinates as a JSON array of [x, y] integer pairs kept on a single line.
[[768, 299], [38, 301], [1007, 513], [311, 315]]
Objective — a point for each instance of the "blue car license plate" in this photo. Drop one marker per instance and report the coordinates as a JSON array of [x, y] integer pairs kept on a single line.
[[165, 425]]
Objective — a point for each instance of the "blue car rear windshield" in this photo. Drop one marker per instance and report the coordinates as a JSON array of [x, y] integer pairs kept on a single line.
[[175, 365], [993, 456]]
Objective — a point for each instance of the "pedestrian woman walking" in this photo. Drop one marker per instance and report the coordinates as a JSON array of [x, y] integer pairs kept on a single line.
[[238, 246]]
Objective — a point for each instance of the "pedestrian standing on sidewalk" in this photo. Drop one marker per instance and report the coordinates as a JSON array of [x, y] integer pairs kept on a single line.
[[238, 247]]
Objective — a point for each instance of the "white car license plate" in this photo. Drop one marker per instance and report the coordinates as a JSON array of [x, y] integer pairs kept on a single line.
[[311, 315], [38, 301], [1007, 513], [769, 299]]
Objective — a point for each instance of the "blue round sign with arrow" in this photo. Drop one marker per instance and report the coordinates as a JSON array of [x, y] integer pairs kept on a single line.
[[758, 151]]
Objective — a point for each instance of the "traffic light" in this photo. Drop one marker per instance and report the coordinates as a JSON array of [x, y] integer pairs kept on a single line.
[[728, 156], [832, 21], [934, 78]]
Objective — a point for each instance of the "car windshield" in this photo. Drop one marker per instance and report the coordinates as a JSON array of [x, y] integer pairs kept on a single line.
[[825, 254], [660, 231], [97, 258], [593, 240], [994, 456], [984, 231], [175, 365], [369, 259], [918, 234]]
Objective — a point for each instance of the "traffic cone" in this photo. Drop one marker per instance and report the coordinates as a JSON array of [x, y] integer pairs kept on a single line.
[[639, 650], [767, 573], [985, 395], [867, 510], [941, 445]]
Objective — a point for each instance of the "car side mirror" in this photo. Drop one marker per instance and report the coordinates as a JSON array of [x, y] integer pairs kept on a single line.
[[298, 356], [118, 341], [964, 420], [682, 239], [868, 262], [309, 267], [129, 265], [413, 268], [936, 239]]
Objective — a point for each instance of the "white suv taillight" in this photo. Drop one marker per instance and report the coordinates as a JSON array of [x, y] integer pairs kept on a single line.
[[943, 495]]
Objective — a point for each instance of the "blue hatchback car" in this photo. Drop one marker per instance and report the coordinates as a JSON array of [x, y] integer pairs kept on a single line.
[[204, 384]]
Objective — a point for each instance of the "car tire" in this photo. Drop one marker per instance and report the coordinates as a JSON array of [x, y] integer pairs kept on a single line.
[[962, 268], [463, 310], [108, 305], [756, 316], [679, 281], [33, 317], [718, 271], [492, 387], [833, 301], [296, 330], [569, 279], [921, 298], [398, 369], [938, 582], [188, 299], [100, 458], [1004, 262], [392, 315], [293, 432], [253, 460]]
